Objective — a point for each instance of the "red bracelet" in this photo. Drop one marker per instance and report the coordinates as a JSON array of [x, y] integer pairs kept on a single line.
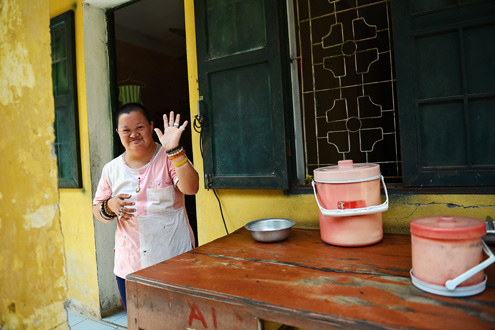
[[177, 155]]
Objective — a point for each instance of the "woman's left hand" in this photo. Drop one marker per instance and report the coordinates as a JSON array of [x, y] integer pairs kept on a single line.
[[172, 131]]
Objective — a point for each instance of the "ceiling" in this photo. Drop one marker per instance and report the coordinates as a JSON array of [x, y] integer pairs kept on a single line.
[[148, 24]]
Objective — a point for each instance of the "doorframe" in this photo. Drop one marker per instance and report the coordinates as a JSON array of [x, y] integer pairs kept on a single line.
[[101, 137]]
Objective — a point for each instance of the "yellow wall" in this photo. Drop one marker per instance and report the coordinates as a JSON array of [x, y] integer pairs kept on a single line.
[[32, 265], [75, 204], [242, 206]]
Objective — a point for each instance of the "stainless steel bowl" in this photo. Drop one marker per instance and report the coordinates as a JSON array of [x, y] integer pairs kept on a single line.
[[270, 230]]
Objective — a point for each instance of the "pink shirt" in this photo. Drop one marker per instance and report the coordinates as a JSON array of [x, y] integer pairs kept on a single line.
[[159, 229]]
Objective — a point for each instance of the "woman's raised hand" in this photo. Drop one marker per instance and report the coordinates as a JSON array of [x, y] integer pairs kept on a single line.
[[172, 131]]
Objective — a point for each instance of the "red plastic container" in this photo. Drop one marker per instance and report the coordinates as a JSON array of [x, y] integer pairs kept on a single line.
[[446, 255], [349, 200]]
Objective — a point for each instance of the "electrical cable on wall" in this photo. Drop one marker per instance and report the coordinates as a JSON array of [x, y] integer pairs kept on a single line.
[[198, 128]]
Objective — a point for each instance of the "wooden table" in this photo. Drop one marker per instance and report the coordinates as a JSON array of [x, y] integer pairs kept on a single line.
[[234, 282]]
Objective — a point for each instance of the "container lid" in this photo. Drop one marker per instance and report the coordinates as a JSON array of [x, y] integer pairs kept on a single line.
[[448, 227], [347, 171]]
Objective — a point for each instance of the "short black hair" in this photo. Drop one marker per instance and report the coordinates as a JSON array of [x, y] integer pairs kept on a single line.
[[131, 107]]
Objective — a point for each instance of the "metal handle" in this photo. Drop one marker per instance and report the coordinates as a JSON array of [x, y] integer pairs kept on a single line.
[[490, 225], [351, 212], [201, 107]]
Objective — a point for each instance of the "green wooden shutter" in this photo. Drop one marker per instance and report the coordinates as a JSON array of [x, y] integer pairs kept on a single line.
[[241, 81], [444, 53], [65, 95]]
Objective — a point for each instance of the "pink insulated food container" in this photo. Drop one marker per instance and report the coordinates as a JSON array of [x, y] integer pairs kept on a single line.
[[349, 201], [447, 254]]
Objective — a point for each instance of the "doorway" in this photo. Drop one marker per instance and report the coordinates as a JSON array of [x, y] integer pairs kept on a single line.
[[148, 58]]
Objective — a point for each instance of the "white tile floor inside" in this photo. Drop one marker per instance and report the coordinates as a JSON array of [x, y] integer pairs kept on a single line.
[[78, 321]]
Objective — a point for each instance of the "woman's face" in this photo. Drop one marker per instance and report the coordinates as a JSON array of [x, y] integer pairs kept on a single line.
[[135, 132]]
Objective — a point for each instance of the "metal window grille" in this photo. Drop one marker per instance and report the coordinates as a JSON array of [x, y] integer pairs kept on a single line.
[[347, 84]]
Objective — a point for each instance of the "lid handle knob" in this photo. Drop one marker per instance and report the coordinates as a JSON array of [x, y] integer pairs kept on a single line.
[[446, 219], [345, 164]]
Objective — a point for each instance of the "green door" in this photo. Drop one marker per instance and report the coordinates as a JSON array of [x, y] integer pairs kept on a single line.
[[445, 63], [240, 65]]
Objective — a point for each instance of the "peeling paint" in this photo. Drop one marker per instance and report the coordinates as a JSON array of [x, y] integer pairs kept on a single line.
[[387, 287], [15, 68], [53, 152], [32, 259], [349, 301], [53, 311], [42, 217], [10, 320]]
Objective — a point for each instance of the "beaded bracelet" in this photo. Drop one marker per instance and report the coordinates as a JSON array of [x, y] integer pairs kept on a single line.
[[104, 213], [107, 208], [183, 152], [104, 216], [173, 153], [173, 149], [182, 162]]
